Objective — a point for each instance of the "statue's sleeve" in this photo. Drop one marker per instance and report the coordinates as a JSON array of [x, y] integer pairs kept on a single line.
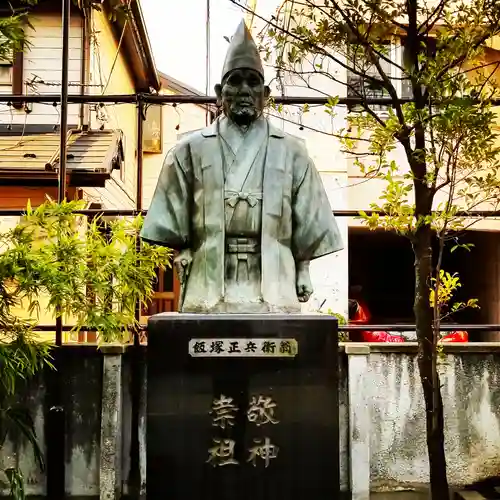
[[315, 231], [168, 219]]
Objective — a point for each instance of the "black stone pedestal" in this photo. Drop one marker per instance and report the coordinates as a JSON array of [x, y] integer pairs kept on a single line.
[[242, 407]]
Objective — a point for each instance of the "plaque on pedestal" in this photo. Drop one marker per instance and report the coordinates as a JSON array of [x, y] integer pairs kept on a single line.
[[242, 407]]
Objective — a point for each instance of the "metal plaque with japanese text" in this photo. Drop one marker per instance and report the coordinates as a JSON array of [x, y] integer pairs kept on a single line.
[[238, 347]]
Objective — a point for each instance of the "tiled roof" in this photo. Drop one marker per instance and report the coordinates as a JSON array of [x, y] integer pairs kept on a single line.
[[90, 152]]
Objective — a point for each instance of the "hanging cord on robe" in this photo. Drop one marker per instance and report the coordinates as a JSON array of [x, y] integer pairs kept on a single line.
[[221, 147]]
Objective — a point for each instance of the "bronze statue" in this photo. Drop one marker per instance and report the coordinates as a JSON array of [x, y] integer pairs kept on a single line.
[[242, 203]]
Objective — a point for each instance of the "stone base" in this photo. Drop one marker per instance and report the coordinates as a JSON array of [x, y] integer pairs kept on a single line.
[[242, 407]]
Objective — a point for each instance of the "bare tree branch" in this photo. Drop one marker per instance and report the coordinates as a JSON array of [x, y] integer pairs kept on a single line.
[[313, 129], [429, 23], [362, 40], [322, 51], [374, 59], [375, 8], [364, 98]]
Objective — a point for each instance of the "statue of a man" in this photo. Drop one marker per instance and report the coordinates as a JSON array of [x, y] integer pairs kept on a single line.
[[242, 203]]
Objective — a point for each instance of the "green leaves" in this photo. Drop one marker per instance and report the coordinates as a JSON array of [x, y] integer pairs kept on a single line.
[[19, 419], [465, 246], [92, 271], [11, 35], [444, 286], [21, 354], [16, 483], [118, 275]]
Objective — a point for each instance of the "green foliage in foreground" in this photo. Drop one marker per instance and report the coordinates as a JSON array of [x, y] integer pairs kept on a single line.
[[91, 271]]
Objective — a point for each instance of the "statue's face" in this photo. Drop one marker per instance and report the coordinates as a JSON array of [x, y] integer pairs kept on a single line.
[[243, 96]]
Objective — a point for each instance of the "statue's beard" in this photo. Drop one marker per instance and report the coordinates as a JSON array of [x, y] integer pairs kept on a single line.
[[244, 116]]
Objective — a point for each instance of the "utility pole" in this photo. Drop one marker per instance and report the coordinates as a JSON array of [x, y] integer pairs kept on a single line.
[[56, 437], [207, 59], [66, 6]]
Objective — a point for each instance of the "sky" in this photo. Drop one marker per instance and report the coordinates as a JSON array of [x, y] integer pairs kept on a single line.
[[177, 31]]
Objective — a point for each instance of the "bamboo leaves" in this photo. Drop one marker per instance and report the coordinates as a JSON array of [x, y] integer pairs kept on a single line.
[[93, 272]]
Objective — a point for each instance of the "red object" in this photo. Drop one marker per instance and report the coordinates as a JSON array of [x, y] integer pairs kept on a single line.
[[362, 316], [458, 336], [380, 337]]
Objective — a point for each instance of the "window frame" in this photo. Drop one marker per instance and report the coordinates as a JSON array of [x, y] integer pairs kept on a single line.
[[396, 45], [147, 134], [16, 80]]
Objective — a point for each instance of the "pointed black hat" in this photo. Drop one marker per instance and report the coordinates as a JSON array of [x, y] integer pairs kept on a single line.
[[242, 52]]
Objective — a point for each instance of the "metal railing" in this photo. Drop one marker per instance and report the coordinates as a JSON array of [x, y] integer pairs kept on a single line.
[[342, 328]]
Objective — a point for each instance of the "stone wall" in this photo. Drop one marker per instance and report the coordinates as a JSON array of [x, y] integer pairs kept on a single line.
[[82, 388], [470, 379], [382, 436]]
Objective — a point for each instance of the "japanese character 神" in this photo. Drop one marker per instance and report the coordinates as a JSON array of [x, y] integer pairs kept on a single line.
[[264, 450]]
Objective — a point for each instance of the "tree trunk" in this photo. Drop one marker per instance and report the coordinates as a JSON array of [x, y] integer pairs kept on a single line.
[[427, 367]]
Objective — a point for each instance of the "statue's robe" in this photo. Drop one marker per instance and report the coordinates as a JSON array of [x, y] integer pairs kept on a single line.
[[189, 210], [244, 157]]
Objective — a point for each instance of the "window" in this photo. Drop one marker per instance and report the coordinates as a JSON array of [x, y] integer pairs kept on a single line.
[[430, 43], [6, 61], [382, 278], [166, 293], [395, 49], [11, 70], [5, 73], [152, 130], [357, 86], [6, 70]]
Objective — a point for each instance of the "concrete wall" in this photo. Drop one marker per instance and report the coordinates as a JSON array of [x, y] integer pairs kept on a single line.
[[469, 378], [382, 434], [82, 376]]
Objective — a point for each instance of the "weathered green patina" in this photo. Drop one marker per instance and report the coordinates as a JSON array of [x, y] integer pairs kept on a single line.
[[242, 202]]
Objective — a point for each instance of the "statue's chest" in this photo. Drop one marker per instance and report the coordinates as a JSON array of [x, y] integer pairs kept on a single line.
[[244, 174], [268, 175]]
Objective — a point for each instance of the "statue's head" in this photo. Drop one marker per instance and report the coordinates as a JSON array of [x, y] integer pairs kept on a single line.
[[242, 92]]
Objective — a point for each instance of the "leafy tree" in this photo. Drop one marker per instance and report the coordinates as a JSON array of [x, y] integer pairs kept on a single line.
[[444, 128], [92, 275], [12, 28], [95, 277], [98, 280]]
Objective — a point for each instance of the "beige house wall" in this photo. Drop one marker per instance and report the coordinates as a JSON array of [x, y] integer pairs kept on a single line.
[[42, 62], [110, 74], [176, 121]]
